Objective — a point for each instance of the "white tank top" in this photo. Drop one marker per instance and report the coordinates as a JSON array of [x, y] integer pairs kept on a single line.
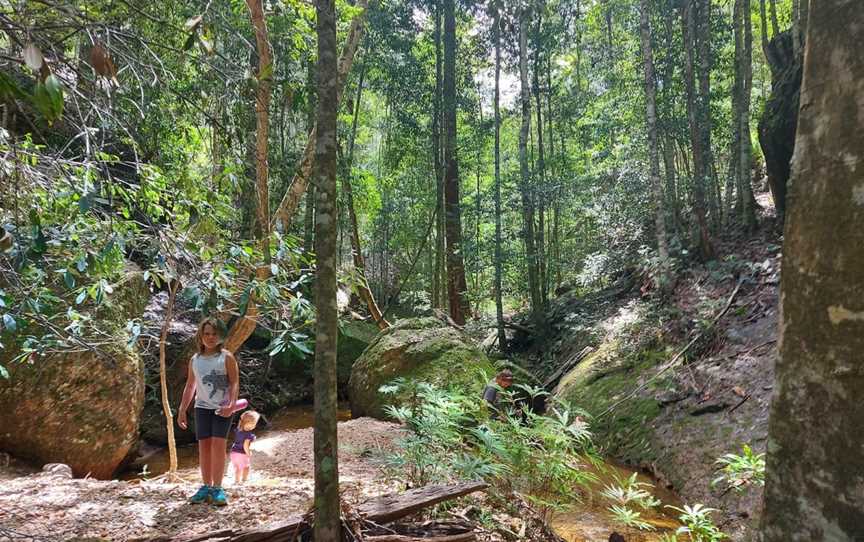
[[211, 380]]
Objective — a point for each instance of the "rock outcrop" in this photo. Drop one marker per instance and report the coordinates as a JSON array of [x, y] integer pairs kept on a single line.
[[419, 349], [81, 408]]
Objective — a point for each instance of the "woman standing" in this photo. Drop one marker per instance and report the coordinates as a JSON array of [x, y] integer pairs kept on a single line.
[[214, 381]]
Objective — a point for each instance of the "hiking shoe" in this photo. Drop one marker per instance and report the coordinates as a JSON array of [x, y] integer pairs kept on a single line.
[[218, 497], [202, 495]]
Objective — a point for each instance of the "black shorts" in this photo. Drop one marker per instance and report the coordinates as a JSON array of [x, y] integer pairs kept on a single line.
[[209, 424]]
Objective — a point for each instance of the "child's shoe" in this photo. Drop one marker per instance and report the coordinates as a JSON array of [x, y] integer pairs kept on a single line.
[[200, 496], [218, 497]]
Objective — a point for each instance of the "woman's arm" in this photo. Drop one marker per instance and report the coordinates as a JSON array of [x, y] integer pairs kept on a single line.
[[188, 394], [233, 383]]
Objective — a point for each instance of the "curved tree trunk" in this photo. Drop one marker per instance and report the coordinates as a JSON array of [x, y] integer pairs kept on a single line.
[[813, 487], [291, 199]]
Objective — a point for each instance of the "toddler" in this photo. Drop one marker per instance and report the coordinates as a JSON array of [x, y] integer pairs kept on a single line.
[[241, 450]]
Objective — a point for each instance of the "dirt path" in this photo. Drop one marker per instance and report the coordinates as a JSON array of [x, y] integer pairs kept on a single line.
[[41, 506]]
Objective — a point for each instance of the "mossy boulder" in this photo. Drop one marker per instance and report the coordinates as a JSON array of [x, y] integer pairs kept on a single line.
[[79, 407], [418, 349], [354, 337]]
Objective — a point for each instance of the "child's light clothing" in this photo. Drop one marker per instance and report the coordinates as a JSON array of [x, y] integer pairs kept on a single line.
[[239, 457], [240, 461]]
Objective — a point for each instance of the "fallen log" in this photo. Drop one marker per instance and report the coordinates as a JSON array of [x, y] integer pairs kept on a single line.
[[382, 509], [461, 537], [569, 364]]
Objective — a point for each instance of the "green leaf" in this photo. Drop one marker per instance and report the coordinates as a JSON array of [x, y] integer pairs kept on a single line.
[[4, 373], [69, 279], [274, 269], [81, 297]]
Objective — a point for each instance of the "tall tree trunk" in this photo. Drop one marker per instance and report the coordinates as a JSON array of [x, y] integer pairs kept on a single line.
[[541, 167], [456, 286], [745, 187], [653, 152], [262, 119], [478, 210], [356, 248], [763, 21], [291, 199], [499, 305], [556, 200], [706, 249], [702, 37], [311, 105], [439, 278], [813, 485], [327, 506], [524, 185], [670, 170], [734, 200]]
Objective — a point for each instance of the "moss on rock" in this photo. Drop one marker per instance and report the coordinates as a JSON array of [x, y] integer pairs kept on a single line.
[[418, 349]]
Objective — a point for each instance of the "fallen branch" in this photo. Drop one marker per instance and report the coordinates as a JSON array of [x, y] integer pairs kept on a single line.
[[382, 509], [569, 364], [675, 359], [462, 537]]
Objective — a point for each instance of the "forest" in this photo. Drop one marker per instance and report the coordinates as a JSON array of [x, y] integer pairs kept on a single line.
[[436, 270]]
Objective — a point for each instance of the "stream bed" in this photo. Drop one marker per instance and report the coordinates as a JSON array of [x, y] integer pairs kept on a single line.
[[586, 521]]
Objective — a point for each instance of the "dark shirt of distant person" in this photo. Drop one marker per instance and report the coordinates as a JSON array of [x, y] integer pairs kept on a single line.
[[492, 392]]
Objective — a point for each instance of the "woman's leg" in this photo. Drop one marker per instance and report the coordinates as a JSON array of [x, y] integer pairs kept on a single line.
[[217, 460], [204, 459]]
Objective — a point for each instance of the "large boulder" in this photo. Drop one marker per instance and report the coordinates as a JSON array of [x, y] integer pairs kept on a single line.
[[355, 336], [79, 407], [418, 349]]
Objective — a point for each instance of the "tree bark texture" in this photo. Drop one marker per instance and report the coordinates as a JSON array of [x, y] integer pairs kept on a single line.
[[653, 145], [456, 286], [163, 378], [291, 199], [525, 175], [327, 508], [814, 489], [541, 168], [499, 305], [702, 38]]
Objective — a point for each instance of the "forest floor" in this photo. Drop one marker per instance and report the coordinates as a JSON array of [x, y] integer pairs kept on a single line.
[[48, 505]]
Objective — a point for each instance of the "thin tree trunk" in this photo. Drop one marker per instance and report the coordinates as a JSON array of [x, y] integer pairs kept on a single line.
[[703, 39], [775, 26], [499, 305], [309, 219], [653, 152], [763, 21], [439, 278], [813, 487], [262, 118], [671, 183], [734, 201], [796, 22], [291, 199], [748, 208], [456, 287], [478, 210], [356, 248], [163, 382], [556, 200], [706, 250], [541, 166], [327, 505], [525, 188]]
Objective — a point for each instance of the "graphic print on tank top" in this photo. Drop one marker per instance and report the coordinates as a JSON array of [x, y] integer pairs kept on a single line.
[[212, 380]]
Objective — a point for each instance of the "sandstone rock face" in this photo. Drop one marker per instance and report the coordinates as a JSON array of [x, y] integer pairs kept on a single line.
[[79, 408], [419, 349]]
